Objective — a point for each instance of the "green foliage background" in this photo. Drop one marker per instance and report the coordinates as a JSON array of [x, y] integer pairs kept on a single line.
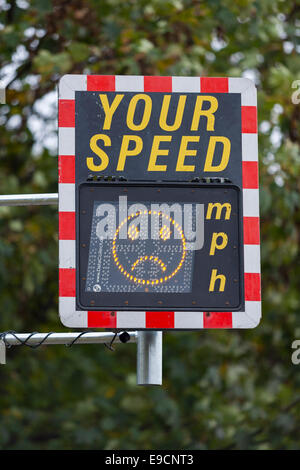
[[222, 389]]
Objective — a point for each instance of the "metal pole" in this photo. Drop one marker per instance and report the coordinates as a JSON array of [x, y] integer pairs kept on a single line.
[[149, 358], [32, 339], [29, 199]]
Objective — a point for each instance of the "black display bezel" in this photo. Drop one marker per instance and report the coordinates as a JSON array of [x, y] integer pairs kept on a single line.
[[140, 301]]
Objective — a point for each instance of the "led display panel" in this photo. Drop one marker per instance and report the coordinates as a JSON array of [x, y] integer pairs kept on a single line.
[[159, 246]]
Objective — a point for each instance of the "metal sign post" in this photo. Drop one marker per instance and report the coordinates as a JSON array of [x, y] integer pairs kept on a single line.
[[149, 358], [2, 352], [149, 347]]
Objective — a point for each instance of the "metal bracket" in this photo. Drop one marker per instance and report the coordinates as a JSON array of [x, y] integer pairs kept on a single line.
[[149, 347]]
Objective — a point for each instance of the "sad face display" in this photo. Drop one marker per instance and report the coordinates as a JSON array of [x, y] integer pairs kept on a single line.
[[149, 261], [145, 252]]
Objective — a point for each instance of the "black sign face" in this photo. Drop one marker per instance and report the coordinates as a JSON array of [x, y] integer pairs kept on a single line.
[[158, 136], [159, 246], [158, 202]]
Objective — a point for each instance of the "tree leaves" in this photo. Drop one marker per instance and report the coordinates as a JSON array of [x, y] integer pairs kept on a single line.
[[47, 63], [222, 389]]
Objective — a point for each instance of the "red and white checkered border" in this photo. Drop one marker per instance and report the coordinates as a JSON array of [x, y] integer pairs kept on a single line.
[[71, 317]]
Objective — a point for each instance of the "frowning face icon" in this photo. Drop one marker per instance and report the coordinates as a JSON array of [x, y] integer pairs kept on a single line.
[[149, 260]]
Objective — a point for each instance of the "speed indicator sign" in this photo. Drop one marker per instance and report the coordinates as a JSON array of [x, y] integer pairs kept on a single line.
[[158, 202]]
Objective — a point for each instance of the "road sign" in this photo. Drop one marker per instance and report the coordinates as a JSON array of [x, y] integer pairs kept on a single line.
[[177, 244]]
